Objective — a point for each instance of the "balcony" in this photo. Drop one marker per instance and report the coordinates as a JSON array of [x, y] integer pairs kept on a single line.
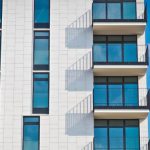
[[131, 103], [121, 143], [123, 59], [127, 17]]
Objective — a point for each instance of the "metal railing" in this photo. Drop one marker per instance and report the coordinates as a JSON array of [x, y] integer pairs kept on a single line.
[[141, 58], [124, 98], [140, 10], [121, 143]]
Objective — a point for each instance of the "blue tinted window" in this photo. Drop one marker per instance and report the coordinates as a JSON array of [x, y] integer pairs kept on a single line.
[[31, 119], [41, 13], [114, 10], [132, 138], [31, 134], [130, 52], [115, 95], [41, 51], [100, 141], [131, 94], [0, 12], [116, 138], [99, 11], [41, 93], [114, 52], [100, 95], [129, 10], [99, 52]]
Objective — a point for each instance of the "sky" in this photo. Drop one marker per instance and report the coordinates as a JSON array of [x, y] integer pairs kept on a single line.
[[148, 42]]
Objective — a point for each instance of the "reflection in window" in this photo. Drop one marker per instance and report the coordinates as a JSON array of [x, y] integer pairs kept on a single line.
[[41, 13], [31, 133], [116, 91], [114, 10], [41, 50], [41, 93], [129, 10], [116, 134], [99, 11]]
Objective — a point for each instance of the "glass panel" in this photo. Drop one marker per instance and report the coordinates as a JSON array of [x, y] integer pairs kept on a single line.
[[131, 123], [115, 123], [114, 79], [131, 94], [129, 10], [44, 76], [40, 94], [41, 13], [31, 137], [100, 140], [114, 10], [132, 138], [99, 11], [116, 138], [130, 52], [115, 95], [100, 95], [41, 49], [100, 80], [131, 80], [99, 52], [100, 123], [31, 119], [114, 53]]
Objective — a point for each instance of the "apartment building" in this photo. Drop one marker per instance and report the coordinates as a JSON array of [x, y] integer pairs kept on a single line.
[[73, 75]]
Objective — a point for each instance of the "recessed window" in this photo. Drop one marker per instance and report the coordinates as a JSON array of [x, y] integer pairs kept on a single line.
[[116, 134], [41, 13], [116, 91], [41, 51], [41, 93], [31, 133]]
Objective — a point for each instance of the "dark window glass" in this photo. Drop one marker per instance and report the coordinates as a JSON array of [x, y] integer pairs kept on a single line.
[[99, 11], [41, 13], [129, 10], [99, 52], [41, 93], [100, 80], [132, 138], [115, 95], [114, 10], [116, 134], [100, 95], [31, 133], [101, 141], [116, 138], [130, 52], [41, 51], [114, 52]]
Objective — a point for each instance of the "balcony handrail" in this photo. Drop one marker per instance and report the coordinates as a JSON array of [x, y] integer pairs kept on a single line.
[[143, 97], [142, 56], [141, 17]]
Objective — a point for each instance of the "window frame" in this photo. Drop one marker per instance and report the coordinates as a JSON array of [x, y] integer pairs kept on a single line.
[[124, 127], [122, 82], [41, 25], [40, 110], [32, 123], [41, 66]]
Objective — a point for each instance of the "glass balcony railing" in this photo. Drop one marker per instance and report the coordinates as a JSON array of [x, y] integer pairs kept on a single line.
[[120, 98], [118, 10], [120, 143], [125, 54]]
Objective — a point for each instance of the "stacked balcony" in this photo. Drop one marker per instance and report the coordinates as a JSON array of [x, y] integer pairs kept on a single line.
[[118, 17], [120, 61]]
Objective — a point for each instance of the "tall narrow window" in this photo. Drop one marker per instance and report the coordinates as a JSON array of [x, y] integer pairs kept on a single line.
[[41, 50], [41, 13], [41, 93], [31, 133]]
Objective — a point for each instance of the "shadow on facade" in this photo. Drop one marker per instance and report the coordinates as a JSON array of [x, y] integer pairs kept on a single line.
[[89, 146], [79, 119], [79, 75], [77, 34]]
